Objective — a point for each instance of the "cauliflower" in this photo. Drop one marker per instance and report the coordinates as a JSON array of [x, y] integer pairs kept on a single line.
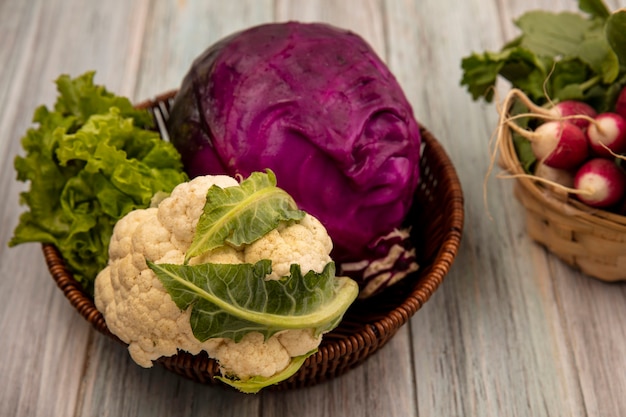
[[140, 311]]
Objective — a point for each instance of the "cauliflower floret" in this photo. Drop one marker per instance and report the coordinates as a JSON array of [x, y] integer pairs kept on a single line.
[[138, 309], [132, 299], [298, 342], [121, 242], [179, 213], [221, 255], [305, 243], [151, 238], [251, 356]]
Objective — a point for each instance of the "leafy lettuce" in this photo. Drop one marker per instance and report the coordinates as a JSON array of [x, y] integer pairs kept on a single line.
[[92, 159]]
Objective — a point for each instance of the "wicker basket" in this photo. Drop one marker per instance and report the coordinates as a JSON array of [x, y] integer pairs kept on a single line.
[[436, 221], [591, 240]]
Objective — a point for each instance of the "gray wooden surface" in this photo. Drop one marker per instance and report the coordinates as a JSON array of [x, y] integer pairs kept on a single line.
[[511, 332]]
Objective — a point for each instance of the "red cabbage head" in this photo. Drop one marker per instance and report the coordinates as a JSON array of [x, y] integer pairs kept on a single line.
[[314, 104]]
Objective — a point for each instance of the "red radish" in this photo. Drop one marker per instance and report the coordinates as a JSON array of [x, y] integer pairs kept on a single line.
[[609, 129], [566, 108], [574, 108], [601, 182], [620, 104], [558, 144]]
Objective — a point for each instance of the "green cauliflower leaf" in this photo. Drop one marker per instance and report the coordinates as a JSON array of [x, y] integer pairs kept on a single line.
[[231, 300]]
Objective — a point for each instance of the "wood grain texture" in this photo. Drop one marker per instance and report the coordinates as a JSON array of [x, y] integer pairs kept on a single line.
[[44, 343], [511, 332], [178, 31]]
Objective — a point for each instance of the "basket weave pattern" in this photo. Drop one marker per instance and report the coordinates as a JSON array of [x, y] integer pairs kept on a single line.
[[436, 228], [588, 239]]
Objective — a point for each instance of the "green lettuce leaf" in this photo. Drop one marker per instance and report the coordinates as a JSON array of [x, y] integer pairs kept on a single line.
[[91, 160], [231, 300], [81, 98], [241, 215]]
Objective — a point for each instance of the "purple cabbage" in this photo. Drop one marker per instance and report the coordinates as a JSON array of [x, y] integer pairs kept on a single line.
[[317, 106]]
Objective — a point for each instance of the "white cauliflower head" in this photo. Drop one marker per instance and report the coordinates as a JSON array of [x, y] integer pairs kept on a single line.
[[139, 310]]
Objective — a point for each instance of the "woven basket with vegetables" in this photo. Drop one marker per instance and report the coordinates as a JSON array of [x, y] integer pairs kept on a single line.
[[562, 130], [272, 223]]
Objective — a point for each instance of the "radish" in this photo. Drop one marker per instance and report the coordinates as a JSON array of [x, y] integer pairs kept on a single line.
[[620, 104], [574, 108], [576, 112], [607, 135], [600, 182], [562, 177], [558, 144], [559, 181]]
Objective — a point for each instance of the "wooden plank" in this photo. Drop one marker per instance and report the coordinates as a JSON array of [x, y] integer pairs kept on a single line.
[[117, 385], [45, 340], [593, 314], [493, 341], [455, 339], [177, 32], [43, 343], [361, 17], [17, 30], [381, 386]]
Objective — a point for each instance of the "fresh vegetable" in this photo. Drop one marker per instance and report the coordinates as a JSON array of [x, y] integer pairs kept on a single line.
[[315, 104], [574, 108], [234, 269], [575, 112], [557, 180], [557, 144], [551, 148], [607, 134], [557, 57], [568, 77], [600, 182], [92, 159]]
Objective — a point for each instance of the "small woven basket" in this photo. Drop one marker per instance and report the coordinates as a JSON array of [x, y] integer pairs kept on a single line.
[[590, 240], [436, 227]]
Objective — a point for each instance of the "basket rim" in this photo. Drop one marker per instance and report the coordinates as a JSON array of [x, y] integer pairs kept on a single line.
[[427, 279], [567, 205]]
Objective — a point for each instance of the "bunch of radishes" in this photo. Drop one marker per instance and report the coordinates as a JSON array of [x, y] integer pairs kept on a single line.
[[580, 149]]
